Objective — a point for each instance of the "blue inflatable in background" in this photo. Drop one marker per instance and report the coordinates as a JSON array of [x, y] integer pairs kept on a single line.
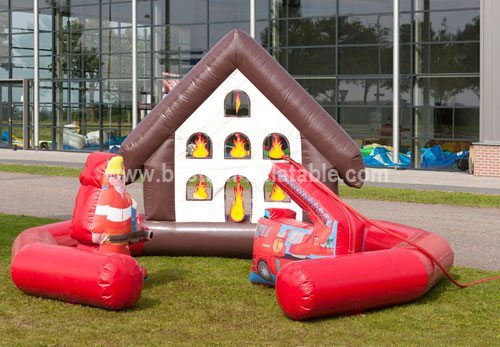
[[436, 158], [431, 158], [382, 157]]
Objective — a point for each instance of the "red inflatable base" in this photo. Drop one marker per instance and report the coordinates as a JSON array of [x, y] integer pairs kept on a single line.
[[387, 272], [47, 262]]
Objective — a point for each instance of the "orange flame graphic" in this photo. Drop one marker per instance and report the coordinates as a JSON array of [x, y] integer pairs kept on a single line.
[[238, 150], [276, 151], [200, 193], [237, 212], [277, 194], [237, 101], [200, 147]]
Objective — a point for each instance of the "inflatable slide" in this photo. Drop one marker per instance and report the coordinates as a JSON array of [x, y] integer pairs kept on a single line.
[[340, 262]]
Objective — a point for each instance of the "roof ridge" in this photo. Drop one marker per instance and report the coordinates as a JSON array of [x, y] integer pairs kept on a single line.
[[237, 50]]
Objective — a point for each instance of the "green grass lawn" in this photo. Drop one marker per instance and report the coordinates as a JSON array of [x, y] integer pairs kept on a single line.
[[192, 301], [421, 196], [41, 170]]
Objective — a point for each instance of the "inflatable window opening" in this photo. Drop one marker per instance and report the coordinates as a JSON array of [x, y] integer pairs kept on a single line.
[[237, 146], [238, 199], [199, 146], [199, 188], [237, 104], [275, 146], [273, 193]]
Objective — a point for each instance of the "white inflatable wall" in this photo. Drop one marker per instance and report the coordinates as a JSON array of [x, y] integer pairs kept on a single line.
[[209, 119]]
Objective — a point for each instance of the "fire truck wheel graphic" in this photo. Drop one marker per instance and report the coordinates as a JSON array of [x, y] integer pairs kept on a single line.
[[264, 271]]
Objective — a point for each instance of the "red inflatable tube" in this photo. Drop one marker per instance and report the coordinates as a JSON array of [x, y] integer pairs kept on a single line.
[[46, 263], [388, 272]]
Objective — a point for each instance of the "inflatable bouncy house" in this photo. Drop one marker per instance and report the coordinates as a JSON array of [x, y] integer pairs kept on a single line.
[[204, 154], [87, 260]]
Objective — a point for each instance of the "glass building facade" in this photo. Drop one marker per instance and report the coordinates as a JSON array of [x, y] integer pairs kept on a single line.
[[340, 51]]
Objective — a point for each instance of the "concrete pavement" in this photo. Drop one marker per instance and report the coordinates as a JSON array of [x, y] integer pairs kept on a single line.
[[474, 233], [44, 196], [52, 158]]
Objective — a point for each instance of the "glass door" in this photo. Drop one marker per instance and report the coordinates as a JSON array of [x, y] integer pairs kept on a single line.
[[12, 108]]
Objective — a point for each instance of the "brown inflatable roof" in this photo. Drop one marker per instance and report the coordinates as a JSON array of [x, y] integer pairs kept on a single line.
[[237, 50]]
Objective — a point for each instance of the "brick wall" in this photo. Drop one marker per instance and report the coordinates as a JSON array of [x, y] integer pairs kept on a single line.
[[486, 160]]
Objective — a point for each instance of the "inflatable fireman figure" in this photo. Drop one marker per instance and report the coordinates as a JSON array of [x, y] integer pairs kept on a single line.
[[116, 220]]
